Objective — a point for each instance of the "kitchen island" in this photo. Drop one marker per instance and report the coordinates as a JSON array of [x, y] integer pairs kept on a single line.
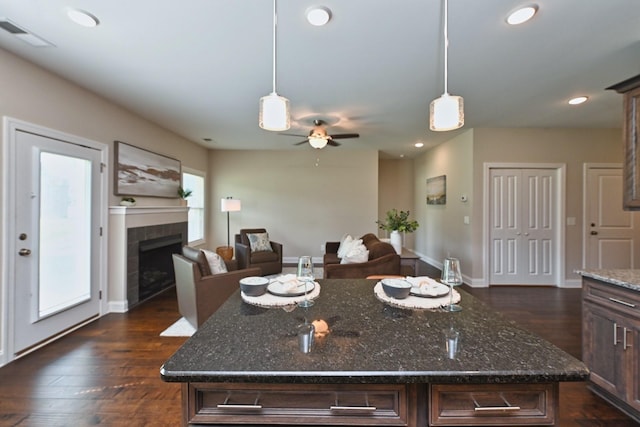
[[370, 364], [610, 336]]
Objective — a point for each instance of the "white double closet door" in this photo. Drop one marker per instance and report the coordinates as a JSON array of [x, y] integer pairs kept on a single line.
[[523, 222]]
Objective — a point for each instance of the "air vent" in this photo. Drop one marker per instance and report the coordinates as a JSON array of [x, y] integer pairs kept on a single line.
[[23, 34]]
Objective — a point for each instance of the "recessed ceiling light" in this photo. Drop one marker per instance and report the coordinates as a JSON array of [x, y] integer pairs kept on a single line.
[[83, 18], [578, 100], [318, 15], [522, 15], [418, 144]]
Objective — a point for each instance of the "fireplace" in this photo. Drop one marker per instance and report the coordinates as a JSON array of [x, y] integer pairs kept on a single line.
[[149, 261], [155, 264]]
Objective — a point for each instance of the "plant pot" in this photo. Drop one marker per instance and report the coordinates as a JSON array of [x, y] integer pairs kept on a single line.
[[396, 241]]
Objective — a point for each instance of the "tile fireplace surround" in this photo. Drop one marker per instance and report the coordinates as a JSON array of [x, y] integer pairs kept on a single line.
[[128, 226]]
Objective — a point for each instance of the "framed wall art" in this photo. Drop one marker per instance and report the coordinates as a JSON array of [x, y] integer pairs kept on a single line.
[[140, 172], [437, 190]]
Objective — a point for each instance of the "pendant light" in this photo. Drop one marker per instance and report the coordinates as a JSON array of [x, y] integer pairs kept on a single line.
[[274, 109], [446, 112]]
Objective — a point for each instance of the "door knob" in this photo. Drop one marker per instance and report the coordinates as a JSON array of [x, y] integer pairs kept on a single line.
[[24, 252], [594, 233]]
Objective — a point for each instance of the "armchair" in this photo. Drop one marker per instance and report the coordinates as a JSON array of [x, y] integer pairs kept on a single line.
[[269, 261], [201, 293]]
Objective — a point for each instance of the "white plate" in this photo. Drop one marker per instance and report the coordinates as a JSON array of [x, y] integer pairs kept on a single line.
[[430, 290], [289, 289]]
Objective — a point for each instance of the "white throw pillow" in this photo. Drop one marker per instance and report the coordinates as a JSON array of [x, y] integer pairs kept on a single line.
[[357, 253], [259, 242], [216, 263], [345, 244]]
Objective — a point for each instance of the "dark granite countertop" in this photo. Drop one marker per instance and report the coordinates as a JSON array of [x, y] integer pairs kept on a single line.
[[368, 342], [625, 278]]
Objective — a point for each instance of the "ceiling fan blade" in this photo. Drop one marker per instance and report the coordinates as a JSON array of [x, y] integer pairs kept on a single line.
[[345, 135], [292, 134], [301, 142], [333, 143]]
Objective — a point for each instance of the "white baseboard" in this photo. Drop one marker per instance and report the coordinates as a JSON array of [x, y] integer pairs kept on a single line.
[[118, 306]]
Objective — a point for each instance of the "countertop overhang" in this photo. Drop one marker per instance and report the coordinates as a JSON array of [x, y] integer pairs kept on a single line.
[[367, 341]]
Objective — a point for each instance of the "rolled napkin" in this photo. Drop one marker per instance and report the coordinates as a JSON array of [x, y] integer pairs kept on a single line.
[[426, 285]]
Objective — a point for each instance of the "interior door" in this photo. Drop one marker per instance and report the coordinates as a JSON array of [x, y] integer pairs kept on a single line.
[[522, 228], [57, 223], [612, 236]]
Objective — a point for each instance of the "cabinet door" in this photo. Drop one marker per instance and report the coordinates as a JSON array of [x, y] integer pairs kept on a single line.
[[602, 351], [633, 357]]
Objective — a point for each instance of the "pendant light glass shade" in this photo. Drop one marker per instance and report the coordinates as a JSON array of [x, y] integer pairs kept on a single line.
[[274, 109], [274, 113], [446, 113]]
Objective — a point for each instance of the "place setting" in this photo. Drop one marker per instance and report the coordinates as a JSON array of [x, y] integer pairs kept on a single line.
[[423, 292], [285, 290]]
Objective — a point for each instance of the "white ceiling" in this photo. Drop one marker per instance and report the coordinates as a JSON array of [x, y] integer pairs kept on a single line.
[[199, 67]]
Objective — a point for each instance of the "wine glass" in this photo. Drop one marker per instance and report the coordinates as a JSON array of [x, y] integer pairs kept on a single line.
[[452, 276], [305, 275]]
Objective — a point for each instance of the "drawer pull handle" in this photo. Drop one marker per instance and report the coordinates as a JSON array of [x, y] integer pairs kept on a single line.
[[618, 301], [497, 408], [353, 408], [232, 406]]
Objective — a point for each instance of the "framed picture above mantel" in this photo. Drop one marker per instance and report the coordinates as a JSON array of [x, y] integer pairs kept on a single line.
[[140, 172]]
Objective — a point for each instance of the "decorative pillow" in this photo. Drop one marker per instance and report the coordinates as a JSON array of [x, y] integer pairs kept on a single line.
[[345, 243], [357, 253], [259, 242], [216, 263]]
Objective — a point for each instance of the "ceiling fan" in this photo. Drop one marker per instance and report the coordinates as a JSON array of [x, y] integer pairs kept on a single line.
[[319, 138]]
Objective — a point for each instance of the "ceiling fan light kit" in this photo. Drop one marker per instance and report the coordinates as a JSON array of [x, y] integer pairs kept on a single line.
[[274, 109], [317, 142], [447, 112]]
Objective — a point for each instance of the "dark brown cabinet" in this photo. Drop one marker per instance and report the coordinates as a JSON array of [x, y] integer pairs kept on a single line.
[[611, 329]]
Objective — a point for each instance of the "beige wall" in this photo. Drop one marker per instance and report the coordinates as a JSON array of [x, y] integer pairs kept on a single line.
[[463, 160], [442, 232], [33, 95], [301, 205], [396, 190]]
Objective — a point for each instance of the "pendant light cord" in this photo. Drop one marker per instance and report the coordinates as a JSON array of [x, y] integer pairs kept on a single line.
[[275, 23], [446, 45]]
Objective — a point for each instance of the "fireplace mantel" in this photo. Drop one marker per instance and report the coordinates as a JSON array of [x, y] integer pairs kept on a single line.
[[121, 220]]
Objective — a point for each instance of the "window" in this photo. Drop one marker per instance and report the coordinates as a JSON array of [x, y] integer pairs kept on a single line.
[[194, 181]]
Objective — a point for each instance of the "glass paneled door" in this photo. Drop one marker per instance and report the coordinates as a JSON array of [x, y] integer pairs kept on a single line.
[[57, 230]]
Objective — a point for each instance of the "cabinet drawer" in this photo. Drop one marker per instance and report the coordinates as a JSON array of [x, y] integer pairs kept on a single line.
[[288, 404], [611, 296], [493, 404]]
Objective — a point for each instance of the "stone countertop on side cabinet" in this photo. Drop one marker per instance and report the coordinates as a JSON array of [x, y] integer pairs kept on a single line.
[[367, 341], [625, 278]]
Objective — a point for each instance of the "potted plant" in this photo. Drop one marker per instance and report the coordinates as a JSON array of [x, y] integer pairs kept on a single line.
[[396, 222], [128, 201], [183, 194]]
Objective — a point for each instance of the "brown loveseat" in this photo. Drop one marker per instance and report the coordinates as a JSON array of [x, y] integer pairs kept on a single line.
[[383, 259]]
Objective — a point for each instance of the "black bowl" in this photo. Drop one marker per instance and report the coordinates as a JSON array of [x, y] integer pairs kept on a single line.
[[254, 286], [396, 288]]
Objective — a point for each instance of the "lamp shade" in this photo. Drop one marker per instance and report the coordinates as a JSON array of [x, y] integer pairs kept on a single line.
[[230, 205], [317, 142], [446, 113], [274, 113]]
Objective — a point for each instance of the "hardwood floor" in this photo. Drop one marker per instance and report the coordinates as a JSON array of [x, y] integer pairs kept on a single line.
[[107, 373]]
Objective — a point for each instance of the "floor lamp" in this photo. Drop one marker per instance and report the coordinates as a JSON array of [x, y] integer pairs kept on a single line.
[[228, 205]]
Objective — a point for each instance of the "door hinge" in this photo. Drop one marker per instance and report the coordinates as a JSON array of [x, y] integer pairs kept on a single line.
[[102, 167], [99, 294], [100, 231]]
